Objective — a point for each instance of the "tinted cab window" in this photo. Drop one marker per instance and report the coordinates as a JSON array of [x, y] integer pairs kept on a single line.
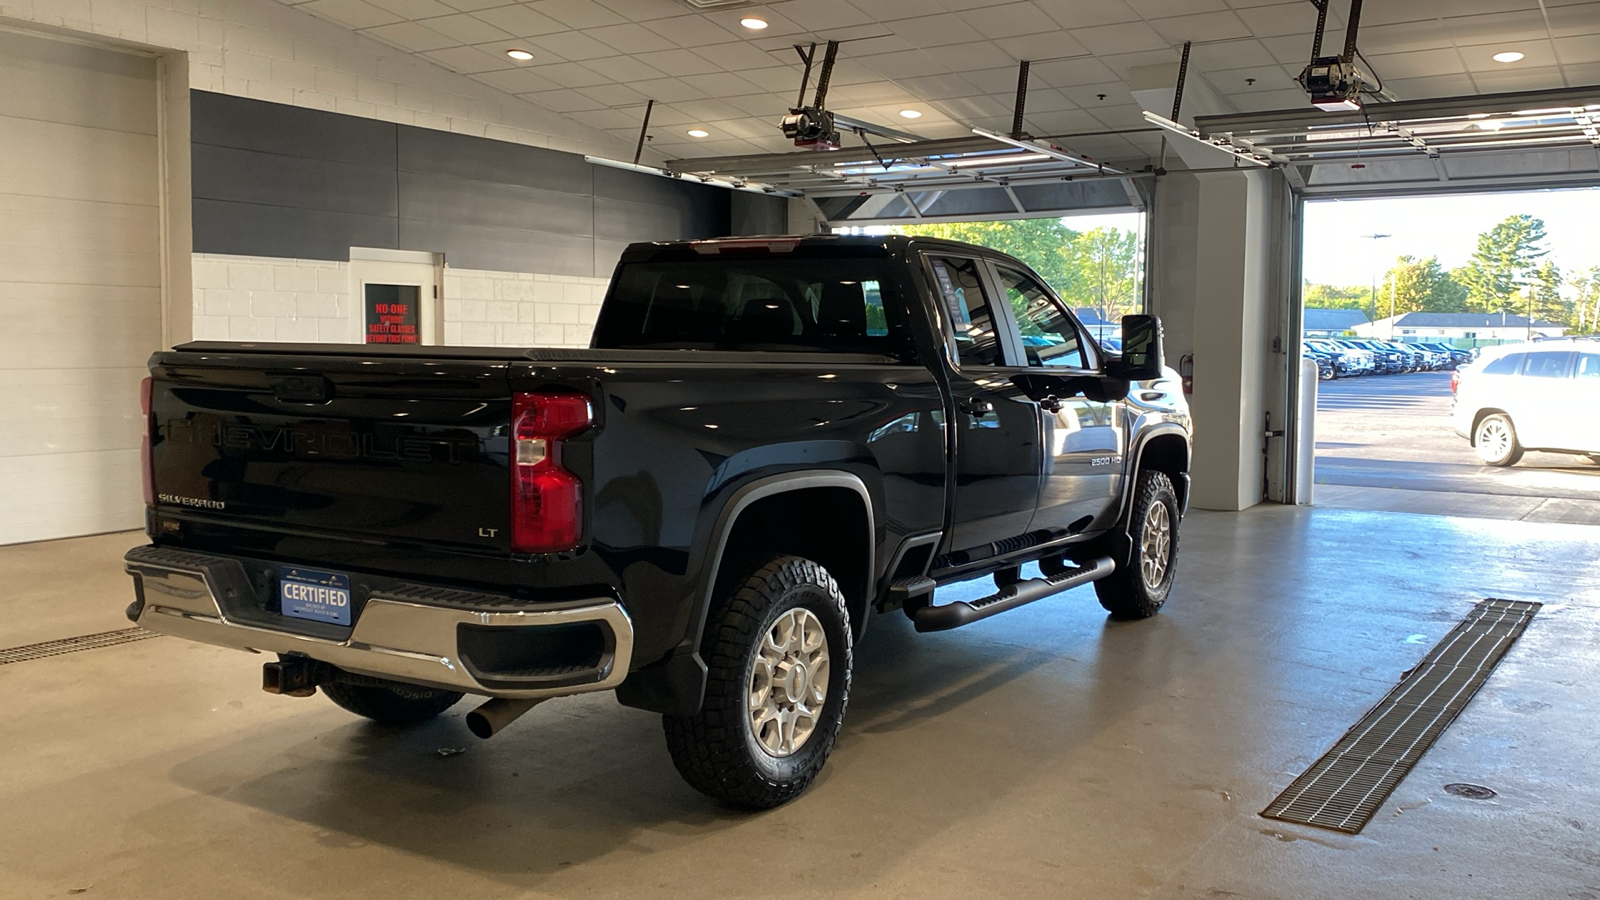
[[1048, 336], [959, 284]]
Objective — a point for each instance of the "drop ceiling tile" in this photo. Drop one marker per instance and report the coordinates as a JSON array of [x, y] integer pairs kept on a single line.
[[414, 9], [993, 81], [519, 81], [761, 106], [466, 28], [473, 5], [572, 45], [353, 13], [739, 56], [1041, 46], [468, 60], [1127, 37], [605, 118], [1537, 53], [521, 21], [578, 13], [669, 118], [1160, 9], [1072, 72], [625, 69], [778, 25], [907, 64], [1122, 115], [1579, 18], [616, 96], [1283, 18], [666, 90], [1403, 37], [678, 62], [779, 79], [748, 129], [1578, 49], [1261, 101], [868, 94], [1009, 21], [572, 75], [1046, 101], [1075, 14], [1068, 121], [1122, 62], [933, 31], [1392, 11], [938, 87], [643, 10], [1582, 73], [1211, 26], [1430, 86], [1089, 96], [707, 110], [1230, 54], [718, 84], [692, 31], [630, 38], [562, 101], [413, 37], [1290, 49], [1507, 27], [973, 111], [815, 15], [1533, 78], [959, 5], [1416, 65], [890, 10], [1270, 77]]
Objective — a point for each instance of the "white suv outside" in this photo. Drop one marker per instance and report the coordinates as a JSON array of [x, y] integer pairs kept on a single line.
[[1539, 396]]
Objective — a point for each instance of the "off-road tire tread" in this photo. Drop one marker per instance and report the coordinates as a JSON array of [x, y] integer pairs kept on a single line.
[[1123, 593], [393, 703], [710, 748]]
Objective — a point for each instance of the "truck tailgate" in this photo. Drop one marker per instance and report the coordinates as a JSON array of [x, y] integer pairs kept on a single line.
[[354, 445]]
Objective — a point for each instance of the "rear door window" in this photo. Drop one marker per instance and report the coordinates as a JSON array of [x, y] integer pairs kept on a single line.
[[960, 287], [1547, 364]]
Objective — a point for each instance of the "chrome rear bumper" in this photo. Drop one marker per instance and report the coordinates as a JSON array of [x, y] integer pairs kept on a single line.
[[409, 633]]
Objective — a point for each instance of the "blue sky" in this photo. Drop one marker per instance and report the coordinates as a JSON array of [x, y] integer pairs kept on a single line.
[[1447, 227]]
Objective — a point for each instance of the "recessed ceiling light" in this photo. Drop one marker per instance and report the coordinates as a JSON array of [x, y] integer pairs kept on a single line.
[[753, 23], [699, 132], [1508, 56], [910, 114], [521, 55]]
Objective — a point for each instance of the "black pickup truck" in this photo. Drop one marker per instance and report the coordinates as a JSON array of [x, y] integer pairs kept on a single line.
[[769, 439]]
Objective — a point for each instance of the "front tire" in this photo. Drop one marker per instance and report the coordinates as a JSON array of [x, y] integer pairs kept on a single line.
[[1137, 590], [1496, 440], [778, 653], [390, 702]]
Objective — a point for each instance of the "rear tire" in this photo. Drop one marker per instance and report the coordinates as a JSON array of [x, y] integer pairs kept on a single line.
[[778, 653], [391, 702], [1496, 440], [1137, 590]]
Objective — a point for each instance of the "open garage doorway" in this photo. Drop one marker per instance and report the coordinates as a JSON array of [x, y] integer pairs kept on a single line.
[[1410, 300]]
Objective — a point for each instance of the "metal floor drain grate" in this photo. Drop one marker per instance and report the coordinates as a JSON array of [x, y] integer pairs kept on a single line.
[[1344, 788], [74, 644]]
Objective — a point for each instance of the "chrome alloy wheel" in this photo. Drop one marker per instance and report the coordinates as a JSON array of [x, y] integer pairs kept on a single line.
[[789, 682], [1155, 543], [1494, 439]]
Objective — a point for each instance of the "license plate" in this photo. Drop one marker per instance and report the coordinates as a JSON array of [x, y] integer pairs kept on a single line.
[[314, 595]]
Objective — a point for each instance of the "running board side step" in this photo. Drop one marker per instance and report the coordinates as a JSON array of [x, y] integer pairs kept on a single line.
[[965, 612]]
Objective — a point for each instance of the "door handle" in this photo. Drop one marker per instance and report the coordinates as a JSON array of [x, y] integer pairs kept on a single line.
[[1050, 404], [977, 407]]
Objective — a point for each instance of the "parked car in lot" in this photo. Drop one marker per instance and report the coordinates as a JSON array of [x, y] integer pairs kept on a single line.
[[768, 440], [1327, 362], [1348, 359], [1520, 397]]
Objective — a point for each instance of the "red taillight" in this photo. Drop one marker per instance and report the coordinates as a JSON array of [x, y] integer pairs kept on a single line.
[[146, 465], [546, 499], [1455, 380]]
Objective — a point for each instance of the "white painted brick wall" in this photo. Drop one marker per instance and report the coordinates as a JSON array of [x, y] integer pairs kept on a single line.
[[268, 51], [260, 298]]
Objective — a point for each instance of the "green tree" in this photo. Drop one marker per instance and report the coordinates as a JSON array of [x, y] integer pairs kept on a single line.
[[1586, 300], [1106, 261], [1046, 245], [1507, 257], [1420, 285], [1543, 296], [1329, 296]]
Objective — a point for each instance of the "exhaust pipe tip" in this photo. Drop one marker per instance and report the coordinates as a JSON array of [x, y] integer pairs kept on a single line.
[[489, 719]]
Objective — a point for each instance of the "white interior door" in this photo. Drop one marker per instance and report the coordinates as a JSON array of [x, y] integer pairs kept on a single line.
[[80, 283], [395, 296]]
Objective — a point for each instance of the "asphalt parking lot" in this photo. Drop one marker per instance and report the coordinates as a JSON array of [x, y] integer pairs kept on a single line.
[[1385, 442]]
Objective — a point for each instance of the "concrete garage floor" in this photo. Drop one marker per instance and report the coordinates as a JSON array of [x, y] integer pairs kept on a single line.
[[1045, 753]]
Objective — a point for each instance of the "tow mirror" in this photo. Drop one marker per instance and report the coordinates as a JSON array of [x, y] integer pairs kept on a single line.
[[1142, 358]]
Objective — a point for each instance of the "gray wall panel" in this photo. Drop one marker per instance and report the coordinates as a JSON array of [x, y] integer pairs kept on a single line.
[[426, 150], [248, 176], [228, 121], [501, 249], [272, 180], [252, 229], [463, 200]]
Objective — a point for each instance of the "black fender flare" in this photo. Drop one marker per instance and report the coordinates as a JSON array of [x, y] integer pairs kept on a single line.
[[1119, 538], [676, 685]]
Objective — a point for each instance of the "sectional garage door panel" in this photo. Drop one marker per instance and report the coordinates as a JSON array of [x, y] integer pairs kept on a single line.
[[80, 284]]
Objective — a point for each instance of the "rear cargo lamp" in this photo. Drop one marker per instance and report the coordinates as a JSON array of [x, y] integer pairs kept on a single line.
[[146, 464], [546, 499]]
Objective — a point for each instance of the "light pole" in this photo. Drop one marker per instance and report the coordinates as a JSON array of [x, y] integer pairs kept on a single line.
[[1375, 239]]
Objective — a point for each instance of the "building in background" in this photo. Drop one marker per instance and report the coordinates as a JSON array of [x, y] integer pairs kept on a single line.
[[1463, 329], [1332, 322]]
